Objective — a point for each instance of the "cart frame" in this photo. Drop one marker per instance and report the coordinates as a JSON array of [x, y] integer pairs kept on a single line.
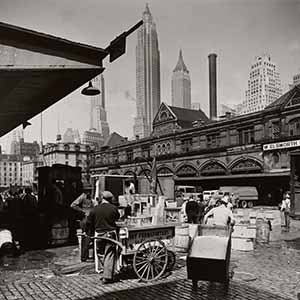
[[141, 247]]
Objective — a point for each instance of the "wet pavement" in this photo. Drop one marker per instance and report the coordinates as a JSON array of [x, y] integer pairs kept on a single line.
[[271, 271]]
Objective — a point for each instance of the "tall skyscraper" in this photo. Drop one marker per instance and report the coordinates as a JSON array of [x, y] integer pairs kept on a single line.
[[181, 85], [98, 115], [147, 76], [264, 85]]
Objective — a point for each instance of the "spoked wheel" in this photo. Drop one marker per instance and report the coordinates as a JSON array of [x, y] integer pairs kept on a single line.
[[150, 260]]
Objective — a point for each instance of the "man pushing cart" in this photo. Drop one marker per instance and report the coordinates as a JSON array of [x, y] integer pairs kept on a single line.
[[209, 253]]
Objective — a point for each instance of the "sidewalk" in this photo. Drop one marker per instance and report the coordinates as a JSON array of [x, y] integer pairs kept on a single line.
[[269, 272]]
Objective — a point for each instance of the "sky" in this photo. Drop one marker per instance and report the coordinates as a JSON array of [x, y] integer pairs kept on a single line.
[[236, 30]]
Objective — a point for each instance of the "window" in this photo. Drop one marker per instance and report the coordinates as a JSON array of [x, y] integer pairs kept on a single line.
[[115, 157], [186, 145], [213, 140], [129, 155], [294, 127], [246, 136], [66, 155], [146, 151]]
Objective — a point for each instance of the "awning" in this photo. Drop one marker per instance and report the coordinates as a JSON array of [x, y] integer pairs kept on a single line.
[[27, 88], [26, 92]]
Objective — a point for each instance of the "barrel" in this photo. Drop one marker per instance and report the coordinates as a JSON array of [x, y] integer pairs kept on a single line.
[[182, 238], [262, 231], [60, 233]]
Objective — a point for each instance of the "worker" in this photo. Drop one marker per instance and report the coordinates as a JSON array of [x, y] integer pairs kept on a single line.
[[285, 208], [222, 215], [83, 205], [102, 221], [192, 210]]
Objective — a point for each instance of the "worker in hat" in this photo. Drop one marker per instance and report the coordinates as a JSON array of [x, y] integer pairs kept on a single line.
[[83, 205], [221, 214], [102, 221]]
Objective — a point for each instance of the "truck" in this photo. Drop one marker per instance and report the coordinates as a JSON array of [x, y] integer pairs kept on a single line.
[[241, 196]]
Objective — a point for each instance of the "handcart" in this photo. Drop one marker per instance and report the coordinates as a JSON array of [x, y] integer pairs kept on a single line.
[[142, 248], [209, 254]]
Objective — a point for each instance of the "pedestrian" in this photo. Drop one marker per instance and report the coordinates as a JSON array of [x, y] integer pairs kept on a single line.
[[201, 213], [192, 210], [83, 205], [285, 208], [221, 215], [102, 221], [30, 213]]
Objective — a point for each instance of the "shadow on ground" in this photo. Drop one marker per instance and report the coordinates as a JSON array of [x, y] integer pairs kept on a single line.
[[294, 244]]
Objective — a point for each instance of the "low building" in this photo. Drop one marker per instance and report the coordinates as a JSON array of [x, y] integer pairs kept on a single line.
[[10, 170], [71, 154], [252, 149], [30, 172]]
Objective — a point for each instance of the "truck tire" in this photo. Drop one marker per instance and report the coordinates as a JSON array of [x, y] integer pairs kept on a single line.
[[250, 204], [244, 204]]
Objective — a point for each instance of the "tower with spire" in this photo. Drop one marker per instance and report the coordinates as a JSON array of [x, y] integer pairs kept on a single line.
[[147, 75], [181, 84]]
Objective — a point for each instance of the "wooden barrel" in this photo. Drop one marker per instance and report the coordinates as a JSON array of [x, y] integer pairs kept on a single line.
[[182, 238], [262, 231], [60, 233]]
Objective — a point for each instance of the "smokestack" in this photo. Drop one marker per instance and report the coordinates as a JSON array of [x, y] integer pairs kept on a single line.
[[212, 60]]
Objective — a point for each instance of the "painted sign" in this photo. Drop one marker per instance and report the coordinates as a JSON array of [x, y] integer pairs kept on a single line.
[[281, 145], [138, 236]]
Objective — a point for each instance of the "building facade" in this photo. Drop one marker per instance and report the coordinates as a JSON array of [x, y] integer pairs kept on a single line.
[[30, 172], [22, 148], [10, 170], [93, 138], [147, 76], [252, 149], [264, 85], [181, 85], [72, 154]]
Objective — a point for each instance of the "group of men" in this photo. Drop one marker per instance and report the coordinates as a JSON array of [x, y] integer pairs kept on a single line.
[[197, 212], [19, 215]]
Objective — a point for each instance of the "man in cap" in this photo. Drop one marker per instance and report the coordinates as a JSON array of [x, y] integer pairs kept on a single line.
[[102, 220], [83, 205], [221, 214]]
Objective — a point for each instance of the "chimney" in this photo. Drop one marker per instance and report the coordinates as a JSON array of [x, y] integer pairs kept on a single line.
[[212, 60]]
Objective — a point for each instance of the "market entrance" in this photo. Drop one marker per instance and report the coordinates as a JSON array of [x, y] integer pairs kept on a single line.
[[270, 187]]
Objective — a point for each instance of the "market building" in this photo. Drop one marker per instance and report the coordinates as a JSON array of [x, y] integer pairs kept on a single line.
[[252, 149]]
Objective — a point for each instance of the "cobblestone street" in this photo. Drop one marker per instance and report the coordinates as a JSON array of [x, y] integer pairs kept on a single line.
[[269, 272]]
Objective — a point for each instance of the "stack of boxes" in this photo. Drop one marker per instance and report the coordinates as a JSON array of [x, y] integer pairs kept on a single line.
[[244, 236]]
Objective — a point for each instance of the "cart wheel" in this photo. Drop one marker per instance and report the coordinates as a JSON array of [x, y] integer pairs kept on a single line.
[[150, 260], [244, 204], [171, 260]]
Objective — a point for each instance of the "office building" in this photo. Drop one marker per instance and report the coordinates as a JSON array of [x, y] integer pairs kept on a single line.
[[264, 85], [181, 85], [147, 76]]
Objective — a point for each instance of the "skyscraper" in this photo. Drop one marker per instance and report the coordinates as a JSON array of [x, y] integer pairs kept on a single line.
[[147, 76], [98, 115], [181, 85], [264, 85]]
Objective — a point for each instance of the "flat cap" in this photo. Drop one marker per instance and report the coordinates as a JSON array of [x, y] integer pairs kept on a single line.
[[107, 195]]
